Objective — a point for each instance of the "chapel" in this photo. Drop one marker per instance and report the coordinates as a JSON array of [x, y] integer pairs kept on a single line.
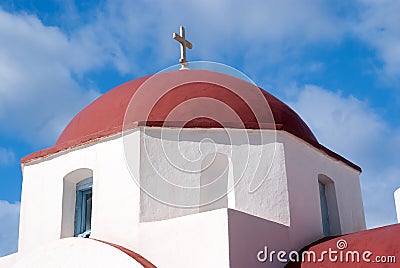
[[184, 168]]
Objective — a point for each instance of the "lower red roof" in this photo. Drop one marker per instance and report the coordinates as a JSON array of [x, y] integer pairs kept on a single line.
[[140, 259], [379, 247]]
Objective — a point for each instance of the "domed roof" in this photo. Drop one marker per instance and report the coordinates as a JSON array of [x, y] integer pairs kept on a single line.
[[106, 114], [221, 101]]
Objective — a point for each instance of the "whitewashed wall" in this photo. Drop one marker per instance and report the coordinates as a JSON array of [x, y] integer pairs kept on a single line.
[[304, 164], [75, 253], [9, 260], [287, 201], [198, 240], [163, 161], [115, 194]]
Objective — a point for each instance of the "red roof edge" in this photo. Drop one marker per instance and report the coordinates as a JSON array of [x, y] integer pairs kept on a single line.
[[206, 124], [336, 156], [137, 257]]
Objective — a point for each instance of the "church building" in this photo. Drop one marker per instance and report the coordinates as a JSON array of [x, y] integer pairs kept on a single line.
[[187, 168]]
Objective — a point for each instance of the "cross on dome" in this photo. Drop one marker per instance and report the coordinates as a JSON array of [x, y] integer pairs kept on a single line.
[[184, 44]]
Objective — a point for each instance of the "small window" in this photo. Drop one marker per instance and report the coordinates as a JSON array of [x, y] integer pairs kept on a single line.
[[329, 206], [83, 209], [324, 210]]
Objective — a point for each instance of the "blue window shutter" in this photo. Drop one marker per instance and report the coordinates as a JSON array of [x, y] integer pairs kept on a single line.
[[324, 209], [82, 214]]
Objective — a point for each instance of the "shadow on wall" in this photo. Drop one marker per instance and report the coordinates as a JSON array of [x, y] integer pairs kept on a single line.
[[248, 235]]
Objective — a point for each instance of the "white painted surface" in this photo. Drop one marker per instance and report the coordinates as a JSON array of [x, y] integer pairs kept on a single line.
[[246, 243], [303, 165], [198, 240], [115, 194], [9, 260], [287, 202], [75, 253], [397, 202], [166, 163]]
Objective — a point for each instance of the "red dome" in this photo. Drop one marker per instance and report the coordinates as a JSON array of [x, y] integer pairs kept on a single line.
[[243, 106], [105, 115]]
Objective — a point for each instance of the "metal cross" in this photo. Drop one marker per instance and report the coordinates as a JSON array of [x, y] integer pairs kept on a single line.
[[184, 44]]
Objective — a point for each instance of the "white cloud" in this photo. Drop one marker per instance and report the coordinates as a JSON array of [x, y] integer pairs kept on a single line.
[[38, 95], [218, 29], [9, 221], [258, 33], [353, 129], [345, 123], [7, 156], [378, 24]]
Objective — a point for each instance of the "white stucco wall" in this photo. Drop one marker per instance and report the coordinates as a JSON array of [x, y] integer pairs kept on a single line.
[[296, 164], [286, 202], [9, 260], [397, 202], [163, 160], [304, 163], [198, 240], [115, 195], [75, 253], [246, 243]]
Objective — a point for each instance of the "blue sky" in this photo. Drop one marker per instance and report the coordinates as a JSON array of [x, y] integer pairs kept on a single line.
[[336, 64]]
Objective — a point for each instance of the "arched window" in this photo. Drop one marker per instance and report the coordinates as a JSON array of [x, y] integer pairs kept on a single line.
[[214, 182], [77, 203], [329, 208], [83, 208]]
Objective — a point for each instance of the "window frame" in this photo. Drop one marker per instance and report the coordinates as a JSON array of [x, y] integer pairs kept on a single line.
[[326, 224], [83, 188], [329, 206]]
